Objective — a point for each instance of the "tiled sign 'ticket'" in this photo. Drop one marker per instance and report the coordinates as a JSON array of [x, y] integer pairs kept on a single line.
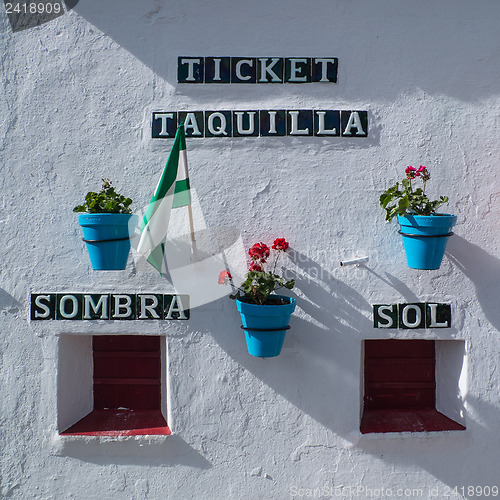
[[254, 70]]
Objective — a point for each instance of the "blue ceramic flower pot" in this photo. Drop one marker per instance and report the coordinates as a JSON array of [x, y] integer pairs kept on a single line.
[[425, 238], [108, 239], [265, 326]]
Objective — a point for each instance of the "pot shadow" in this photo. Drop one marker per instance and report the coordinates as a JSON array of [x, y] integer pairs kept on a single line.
[[483, 270], [314, 371], [395, 283]]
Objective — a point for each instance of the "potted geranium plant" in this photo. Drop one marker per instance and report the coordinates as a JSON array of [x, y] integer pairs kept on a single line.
[[425, 232], [265, 315], [107, 223]]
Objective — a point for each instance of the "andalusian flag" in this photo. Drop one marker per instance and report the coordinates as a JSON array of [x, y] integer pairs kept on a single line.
[[172, 191]]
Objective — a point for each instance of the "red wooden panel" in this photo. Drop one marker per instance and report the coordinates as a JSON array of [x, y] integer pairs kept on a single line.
[[406, 369], [126, 343], [126, 354], [399, 374], [407, 421], [126, 381], [400, 398], [127, 388], [120, 423], [127, 372], [400, 388], [399, 348], [129, 366], [130, 396]]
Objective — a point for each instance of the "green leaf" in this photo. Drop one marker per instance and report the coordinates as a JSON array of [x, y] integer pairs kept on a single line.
[[106, 201], [410, 200]]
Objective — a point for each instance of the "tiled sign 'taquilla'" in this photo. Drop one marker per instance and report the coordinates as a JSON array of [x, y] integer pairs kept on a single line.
[[261, 123]]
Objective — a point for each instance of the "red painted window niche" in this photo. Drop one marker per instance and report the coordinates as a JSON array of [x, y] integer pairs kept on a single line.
[[126, 385], [412, 386]]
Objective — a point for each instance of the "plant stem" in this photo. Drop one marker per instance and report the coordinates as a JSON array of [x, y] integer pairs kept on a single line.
[[276, 261]]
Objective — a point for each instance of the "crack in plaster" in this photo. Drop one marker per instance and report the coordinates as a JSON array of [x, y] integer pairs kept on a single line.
[[260, 192], [305, 449]]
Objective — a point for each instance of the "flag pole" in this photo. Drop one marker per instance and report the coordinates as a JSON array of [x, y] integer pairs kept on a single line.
[[190, 216], [193, 239]]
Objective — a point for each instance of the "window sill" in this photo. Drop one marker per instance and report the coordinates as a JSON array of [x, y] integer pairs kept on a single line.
[[382, 421], [120, 423]]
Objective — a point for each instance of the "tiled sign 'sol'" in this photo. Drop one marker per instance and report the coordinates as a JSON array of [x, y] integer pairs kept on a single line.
[[419, 315]]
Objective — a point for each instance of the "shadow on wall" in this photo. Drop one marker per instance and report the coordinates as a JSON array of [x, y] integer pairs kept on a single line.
[[314, 372], [168, 452], [157, 33], [432, 451], [43, 13], [452, 457], [8, 304], [482, 269]]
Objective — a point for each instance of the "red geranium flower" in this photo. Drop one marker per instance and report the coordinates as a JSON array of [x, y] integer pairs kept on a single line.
[[259, 284], [255, 267], [280, 244], [260, 251], [224, 277]]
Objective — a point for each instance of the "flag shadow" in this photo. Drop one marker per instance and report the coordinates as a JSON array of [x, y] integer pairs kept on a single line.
[[195, 273]]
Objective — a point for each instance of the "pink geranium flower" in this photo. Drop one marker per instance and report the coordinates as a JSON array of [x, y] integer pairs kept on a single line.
[[224, 277], [406, 198], [411, 172]]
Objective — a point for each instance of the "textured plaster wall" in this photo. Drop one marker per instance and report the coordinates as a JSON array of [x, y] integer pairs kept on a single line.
[[77, 97]]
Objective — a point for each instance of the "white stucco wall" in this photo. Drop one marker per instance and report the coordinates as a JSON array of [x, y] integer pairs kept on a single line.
[[77, 98]]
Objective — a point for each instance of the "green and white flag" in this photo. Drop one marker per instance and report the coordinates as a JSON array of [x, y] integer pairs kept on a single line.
[[172, 191]]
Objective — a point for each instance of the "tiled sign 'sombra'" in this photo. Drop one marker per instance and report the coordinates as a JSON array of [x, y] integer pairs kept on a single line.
[[109, 306]]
